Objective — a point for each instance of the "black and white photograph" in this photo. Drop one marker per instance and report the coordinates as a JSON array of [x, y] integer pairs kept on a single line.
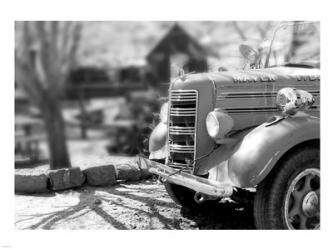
[[163, 123]]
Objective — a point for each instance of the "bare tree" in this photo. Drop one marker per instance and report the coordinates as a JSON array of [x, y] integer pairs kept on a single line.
[[45, 54], [240, 31], [262, 27]]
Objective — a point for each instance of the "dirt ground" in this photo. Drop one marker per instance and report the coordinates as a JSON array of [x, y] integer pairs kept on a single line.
[[136, 205], [140, 205]]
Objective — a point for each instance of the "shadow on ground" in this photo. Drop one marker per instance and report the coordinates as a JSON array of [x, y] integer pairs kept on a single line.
[[222, 216], [142, 205]]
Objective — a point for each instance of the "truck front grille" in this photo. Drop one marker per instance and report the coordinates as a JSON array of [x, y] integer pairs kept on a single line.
[[182, 129]]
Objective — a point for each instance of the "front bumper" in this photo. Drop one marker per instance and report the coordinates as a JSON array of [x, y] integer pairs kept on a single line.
[[196, 183]]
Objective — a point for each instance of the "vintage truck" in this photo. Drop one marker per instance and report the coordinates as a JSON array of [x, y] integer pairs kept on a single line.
[[224, 134]]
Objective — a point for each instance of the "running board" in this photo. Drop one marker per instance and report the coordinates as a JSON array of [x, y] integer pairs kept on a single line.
[[196, 183]]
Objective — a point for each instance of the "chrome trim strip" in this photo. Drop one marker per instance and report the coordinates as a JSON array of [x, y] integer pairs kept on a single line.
[[258, 109], [214, 91], [195, 128], [238, 95]]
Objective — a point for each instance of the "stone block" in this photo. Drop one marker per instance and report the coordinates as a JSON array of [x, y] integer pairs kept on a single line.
[[101, 175], [128, 172], [30, 181], [66, 178]]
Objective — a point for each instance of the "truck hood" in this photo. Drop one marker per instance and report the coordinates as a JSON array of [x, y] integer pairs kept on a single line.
[[281, 75], [277, 74]]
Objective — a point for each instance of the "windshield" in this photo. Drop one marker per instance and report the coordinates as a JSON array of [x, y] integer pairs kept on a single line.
[[293, 45]]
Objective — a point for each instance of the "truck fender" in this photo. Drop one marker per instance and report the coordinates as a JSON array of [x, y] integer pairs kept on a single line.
[[259, 150], [158, 140]]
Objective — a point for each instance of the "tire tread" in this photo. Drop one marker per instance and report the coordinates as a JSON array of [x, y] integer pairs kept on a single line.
[[270, 192]]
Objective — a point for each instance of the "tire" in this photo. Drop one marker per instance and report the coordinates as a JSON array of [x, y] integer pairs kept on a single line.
[[289, 197], [185, 197]]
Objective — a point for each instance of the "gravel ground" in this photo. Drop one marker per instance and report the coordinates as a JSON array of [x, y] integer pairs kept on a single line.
[[139, 205]]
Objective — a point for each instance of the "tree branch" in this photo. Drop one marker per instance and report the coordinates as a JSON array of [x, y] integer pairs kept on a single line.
[[239, 31]]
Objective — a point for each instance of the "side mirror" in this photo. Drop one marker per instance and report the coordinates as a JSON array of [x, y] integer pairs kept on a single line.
[[248, 52]]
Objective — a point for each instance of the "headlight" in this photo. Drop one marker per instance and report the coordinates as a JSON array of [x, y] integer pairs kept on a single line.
[[212, 125], [218, 124], [164, 112]]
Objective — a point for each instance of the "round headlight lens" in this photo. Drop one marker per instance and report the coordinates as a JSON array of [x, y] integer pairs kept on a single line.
[[212, 125], [218, 124], [164, 112]]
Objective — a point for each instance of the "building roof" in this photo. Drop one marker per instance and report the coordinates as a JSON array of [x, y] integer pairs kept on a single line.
[[178, 40]]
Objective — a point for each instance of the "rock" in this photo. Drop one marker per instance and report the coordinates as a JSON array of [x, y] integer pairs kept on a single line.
[[101, 175], [65, 178], [30, 181], [128, 172]]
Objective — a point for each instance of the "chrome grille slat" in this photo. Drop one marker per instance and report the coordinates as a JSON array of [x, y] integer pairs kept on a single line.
[[182, 129], [182, 111], [181, 148], [184, 98], [179, 129], [183, 152], [182, 114], [178, 98], [181, 133], [185, 110], [183, 92], [189, 101]]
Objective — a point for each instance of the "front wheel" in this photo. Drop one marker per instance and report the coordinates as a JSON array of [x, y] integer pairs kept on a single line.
[[289, 198]]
